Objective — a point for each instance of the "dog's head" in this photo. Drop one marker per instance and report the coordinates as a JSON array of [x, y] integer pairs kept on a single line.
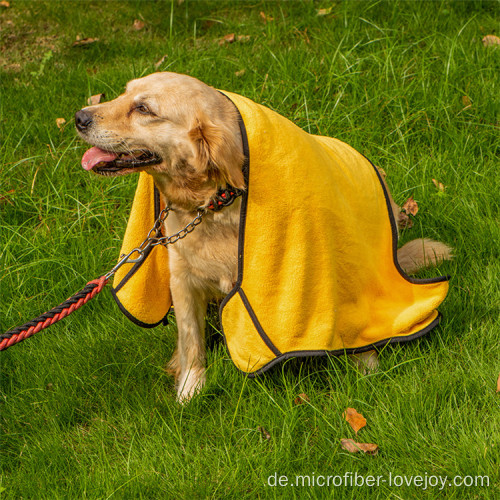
[[173, 126]]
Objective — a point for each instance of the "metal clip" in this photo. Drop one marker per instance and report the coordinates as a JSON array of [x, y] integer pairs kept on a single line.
[[128, 260]]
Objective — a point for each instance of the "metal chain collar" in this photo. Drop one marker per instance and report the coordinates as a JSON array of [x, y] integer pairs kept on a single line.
[[154, 238], [223, 198]]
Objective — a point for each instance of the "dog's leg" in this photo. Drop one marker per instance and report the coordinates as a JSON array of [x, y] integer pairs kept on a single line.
[[188, 363], [422, 253], [366, 362]]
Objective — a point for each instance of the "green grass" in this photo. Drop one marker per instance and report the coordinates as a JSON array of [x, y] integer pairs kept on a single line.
[[87, 410]]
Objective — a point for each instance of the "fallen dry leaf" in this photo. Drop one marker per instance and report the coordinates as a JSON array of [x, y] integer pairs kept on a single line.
[[410, 206], [498, 381], [301, 399], [404, 221], [138, 24], [265, 18], [324, 12], [466, 101], [264, 432], [381, 171], [60, 123], [438, 184], [4, 3], [243, 38], [81, 42], [353, 447], [161, 61], [13, 67], [95, 99], [491, 40], [227, 39], [241, 72], [354, 419]]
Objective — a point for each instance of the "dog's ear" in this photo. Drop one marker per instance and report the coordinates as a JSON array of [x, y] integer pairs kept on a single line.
[[218, 150]]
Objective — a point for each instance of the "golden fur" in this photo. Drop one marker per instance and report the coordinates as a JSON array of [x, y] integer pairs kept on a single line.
[[194, 129]]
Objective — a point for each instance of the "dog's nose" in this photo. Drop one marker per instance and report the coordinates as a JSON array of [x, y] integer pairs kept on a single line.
[[83, 119]]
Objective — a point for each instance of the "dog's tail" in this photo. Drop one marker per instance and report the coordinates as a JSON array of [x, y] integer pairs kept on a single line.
[[422, 253]]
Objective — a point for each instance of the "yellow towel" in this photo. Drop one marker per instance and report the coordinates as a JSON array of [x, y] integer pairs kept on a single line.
[[142, 290], [317, 271]]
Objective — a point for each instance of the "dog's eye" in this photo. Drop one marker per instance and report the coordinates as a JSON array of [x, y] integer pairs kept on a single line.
[[143, 109]]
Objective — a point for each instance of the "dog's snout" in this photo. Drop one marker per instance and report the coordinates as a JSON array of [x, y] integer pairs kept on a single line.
[[83, 119]]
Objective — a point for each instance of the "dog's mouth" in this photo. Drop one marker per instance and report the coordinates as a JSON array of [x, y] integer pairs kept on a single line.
[[105, 162]]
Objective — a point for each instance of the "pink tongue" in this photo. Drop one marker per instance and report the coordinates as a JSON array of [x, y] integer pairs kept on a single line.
[[94, 156]]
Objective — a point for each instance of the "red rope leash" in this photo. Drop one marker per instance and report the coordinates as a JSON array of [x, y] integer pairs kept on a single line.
[[91, 289]]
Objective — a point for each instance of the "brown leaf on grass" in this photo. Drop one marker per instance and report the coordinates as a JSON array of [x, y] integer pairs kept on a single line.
[[381, 171], [466, 101], [82, 42], [354, 419], [498, 381], [491, 40], [438, 184], [15, 67], [227, 39], [4, 3], [138, 24], [60, 123], [266, 18], [353, 447], [95, 99], [301, 399], [404, 221], [324, 12], [161, 61], [241, 72], [4, 198], [231, 38], [410, 206], [265, 433]]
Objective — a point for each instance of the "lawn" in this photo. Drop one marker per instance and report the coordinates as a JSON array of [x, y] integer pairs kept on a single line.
[[87, 410]]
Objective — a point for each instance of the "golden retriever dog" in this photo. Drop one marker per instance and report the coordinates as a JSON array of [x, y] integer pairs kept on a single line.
[[186, 135]]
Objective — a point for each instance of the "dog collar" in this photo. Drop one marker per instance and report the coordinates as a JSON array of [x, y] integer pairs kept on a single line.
[[223, 198]]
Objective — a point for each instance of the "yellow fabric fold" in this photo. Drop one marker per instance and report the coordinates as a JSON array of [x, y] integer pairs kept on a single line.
[[318, 270], [143, 291]]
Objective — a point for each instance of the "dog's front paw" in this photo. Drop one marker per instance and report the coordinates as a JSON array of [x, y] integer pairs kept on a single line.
[[189, 384]]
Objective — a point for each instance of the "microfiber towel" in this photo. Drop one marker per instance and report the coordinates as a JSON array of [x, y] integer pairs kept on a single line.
[[142, 290], [317, 267]]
